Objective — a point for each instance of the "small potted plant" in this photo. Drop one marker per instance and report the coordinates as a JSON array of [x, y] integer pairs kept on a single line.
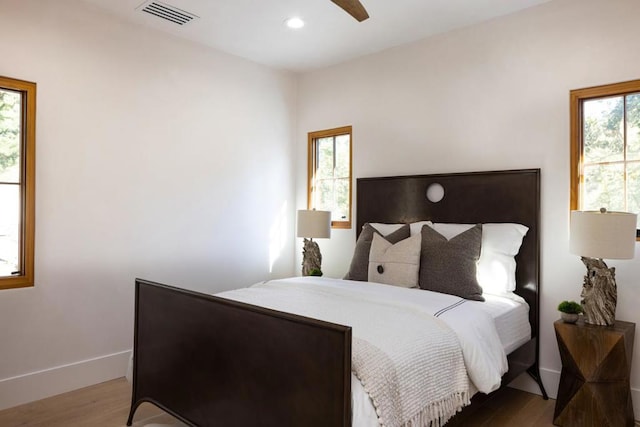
[[569, 311], [315, 272]]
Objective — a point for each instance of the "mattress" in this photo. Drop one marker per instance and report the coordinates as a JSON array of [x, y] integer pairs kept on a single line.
[[511, 316]]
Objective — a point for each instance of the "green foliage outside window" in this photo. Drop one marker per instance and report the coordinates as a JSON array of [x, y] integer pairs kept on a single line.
[[9, 135], [10, 109], [611, 153]]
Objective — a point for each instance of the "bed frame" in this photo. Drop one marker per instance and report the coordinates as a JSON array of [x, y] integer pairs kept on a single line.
[[209, 361]]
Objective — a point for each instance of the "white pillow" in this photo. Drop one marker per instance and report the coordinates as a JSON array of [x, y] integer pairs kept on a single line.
[[496, 269], [395, 264], [416, 227], [451, 230], [385, 229]]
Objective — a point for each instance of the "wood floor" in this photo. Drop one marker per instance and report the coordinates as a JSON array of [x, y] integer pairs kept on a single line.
[[107, 405]]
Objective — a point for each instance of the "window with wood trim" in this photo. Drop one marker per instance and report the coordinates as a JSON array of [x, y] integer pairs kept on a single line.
[[17, 182], [329, 184], [605, 147]]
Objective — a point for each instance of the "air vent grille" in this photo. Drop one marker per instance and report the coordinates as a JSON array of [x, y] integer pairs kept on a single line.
[[167, 12]]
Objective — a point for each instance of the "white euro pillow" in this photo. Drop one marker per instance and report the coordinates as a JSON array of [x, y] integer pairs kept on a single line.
[[385, 229], [497, 265]]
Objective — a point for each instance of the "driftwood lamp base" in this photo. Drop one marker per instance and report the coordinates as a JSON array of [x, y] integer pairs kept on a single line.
[[311, 257], [599, 293]]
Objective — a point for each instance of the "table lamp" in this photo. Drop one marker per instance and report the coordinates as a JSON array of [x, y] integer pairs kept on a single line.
[[312, 223], [595, 235]]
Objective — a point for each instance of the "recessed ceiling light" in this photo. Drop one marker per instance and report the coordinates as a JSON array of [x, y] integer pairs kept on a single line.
[[294, 23]]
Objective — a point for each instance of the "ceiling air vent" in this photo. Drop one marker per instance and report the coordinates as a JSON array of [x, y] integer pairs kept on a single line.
[[167, 12]]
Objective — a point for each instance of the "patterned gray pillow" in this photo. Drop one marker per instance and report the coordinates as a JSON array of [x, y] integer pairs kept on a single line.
[[359, 269], [449, 266]]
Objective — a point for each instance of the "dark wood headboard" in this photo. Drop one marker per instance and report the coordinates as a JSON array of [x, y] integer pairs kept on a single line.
[[475, 197]]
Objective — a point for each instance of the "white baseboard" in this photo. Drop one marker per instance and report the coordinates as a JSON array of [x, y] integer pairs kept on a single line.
[[61, 379], [551, 380]]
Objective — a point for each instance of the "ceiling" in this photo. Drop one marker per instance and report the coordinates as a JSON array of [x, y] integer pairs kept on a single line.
[[255, 29]]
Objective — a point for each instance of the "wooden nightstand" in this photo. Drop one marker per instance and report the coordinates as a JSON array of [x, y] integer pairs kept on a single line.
[[594, 385]]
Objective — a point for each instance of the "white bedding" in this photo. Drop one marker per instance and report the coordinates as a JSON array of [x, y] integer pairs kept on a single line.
[[481, 345], [511, 316]]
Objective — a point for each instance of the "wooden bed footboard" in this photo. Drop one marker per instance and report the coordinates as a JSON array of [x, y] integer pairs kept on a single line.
[[209, 361]]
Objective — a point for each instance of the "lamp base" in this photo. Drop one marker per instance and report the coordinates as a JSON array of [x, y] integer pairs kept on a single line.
[[311, 258], [599, 293]]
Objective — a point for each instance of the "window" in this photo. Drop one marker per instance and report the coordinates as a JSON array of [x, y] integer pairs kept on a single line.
[[605, 147], [17, 182], [329, 186]]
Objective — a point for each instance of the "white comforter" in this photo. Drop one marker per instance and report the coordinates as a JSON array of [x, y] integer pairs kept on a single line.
[[483, 354]]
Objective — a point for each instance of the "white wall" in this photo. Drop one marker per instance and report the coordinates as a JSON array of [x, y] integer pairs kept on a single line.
[[488, 97], [156, 158]]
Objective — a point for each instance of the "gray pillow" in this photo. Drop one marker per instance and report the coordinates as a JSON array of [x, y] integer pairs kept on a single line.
[[359, 269], [449, 266]]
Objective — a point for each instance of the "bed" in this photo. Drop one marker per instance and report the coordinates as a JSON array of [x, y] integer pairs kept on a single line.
[[210, 360]]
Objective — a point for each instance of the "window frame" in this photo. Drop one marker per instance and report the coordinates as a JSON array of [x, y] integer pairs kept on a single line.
[[27, 183], [311, 166], [577, 99]]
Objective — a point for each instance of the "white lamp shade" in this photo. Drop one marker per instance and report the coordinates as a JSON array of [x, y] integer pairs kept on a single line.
[[314, 224], [597, 234]]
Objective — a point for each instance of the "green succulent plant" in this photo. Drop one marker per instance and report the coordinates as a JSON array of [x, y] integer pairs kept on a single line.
[[315, 272], [570, 307]]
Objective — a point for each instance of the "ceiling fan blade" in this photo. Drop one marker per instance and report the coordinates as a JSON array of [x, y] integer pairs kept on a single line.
[[353, 8]]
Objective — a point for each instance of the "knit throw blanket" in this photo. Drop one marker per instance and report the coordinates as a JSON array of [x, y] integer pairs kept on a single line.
[[409, 362]]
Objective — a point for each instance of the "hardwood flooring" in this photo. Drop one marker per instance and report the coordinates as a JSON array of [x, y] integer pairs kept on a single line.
[[107, 405], [102, 405]]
